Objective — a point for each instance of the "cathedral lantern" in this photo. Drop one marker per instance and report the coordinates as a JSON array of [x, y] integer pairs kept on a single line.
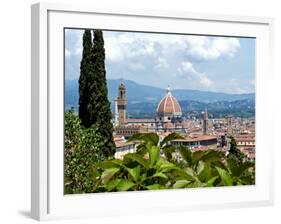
[[168, 110]]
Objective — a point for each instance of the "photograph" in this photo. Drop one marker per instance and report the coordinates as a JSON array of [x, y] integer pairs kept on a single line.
[[157, 111]]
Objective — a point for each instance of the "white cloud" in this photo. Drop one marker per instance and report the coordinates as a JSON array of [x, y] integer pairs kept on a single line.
[[113, 50], [204, 80], [73, 43], [210, 48], [135, 66], [163, 59], [162, 63], [186, 66], [188, 69], [67, 52], [123, 46], [160, 47]]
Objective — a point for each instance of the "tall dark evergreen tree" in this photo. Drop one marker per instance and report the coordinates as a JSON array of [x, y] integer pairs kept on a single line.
[[234, 152], [99, 105], [84, 79]]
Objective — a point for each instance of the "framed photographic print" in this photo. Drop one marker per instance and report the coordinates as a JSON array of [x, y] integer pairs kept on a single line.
[[148, 111]]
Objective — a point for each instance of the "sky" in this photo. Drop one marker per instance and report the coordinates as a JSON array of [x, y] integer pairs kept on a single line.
[[209, 63]]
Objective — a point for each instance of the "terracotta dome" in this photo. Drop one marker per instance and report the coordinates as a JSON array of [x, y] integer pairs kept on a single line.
[[169, 105]]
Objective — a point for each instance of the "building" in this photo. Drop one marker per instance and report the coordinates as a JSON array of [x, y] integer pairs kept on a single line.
[[168, 116], [229, 130], [193, 142], [120, 106], [200, 134], [205, 123], [168, 113], [123, 147], [128, 127], [149, 122], [128, 131], [245, 141]]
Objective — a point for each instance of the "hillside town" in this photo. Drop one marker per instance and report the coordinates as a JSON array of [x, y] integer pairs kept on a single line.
[[198, 134]]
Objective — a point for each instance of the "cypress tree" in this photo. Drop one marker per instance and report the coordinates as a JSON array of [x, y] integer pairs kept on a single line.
[[234, 152], [99, 105], [85, 73]]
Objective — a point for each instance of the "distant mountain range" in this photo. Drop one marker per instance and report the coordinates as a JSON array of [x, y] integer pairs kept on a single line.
[[143, 99]]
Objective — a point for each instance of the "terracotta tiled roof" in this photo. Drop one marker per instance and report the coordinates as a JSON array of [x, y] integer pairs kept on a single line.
[[197, 138], [120, 144], [169, 105], [243, 138]]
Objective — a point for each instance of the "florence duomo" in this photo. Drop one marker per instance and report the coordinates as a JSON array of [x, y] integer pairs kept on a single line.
[[143, 110], [198, 134]]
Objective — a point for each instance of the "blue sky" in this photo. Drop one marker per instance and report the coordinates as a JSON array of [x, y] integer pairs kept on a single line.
[[220, 64]]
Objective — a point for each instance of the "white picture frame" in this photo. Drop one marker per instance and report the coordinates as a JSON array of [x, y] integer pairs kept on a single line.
[[47, 198]]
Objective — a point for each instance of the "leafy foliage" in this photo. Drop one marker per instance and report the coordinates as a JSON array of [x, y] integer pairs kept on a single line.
[[235, 153], [152, 139], [150, 169], [82, 150]]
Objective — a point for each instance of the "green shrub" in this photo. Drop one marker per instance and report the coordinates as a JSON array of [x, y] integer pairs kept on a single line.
[[153, 167], [83, 148]]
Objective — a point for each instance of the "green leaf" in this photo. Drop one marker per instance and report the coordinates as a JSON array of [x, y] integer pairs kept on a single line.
[[181, 184], [109, 164], [182, 174], [190, 171], [238, 169], [206, 173], [165, 166], [108, 174], [170, 137], [137, 137], [196, 157], [154, 187], [196, 184], [160, 174], [138, 158], [124, 185], [210, 183], [247, 180], [212, 156], [225, 177], [219, 164], [154, 153], [152, 138], [111, 185], [186, 155], [141, 149], [168, 150], [200, 167], [134, 172]]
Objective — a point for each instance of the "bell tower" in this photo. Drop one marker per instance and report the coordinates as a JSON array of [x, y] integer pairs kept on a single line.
[[205, 123], [229, 130], [121, 104]]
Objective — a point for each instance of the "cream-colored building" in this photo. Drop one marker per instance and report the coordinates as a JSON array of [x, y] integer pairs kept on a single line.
[[123, 147]]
